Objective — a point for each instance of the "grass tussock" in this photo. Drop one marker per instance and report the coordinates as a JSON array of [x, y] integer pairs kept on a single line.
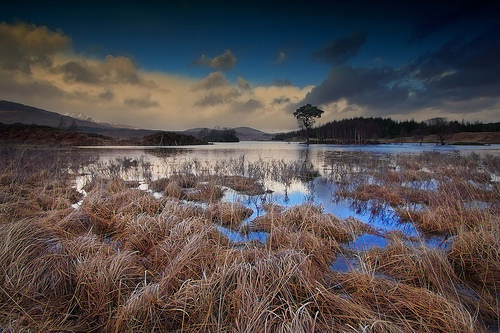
[[228, 213], [306, 218], [190, 188], [409, 308]]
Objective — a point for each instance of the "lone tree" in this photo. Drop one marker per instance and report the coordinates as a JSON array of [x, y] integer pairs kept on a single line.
[[306, 117], [442, 128]]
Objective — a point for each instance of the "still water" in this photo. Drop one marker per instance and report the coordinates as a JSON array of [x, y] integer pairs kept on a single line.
[[318, 189]]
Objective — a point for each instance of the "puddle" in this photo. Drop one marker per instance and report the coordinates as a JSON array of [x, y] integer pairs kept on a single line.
[[366, 242], [237, 237], [345, 264]]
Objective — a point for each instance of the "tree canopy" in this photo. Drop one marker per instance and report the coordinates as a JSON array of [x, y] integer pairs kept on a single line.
[[306, 117]]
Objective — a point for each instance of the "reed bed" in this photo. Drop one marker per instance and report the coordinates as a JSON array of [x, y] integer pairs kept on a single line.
[[125, 260]]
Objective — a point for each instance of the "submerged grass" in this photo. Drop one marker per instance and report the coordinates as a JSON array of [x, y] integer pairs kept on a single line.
[[125, 260]]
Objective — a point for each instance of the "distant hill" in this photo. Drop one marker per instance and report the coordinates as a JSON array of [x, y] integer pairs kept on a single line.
[[243, 133], [44, 135], [11, 113]]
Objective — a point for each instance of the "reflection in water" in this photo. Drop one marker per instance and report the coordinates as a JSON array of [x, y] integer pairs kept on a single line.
[[345, 263], [366, 242], [292, 174]]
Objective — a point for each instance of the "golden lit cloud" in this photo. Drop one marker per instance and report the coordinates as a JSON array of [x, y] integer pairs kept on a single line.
[[115, 89], [24, 45]]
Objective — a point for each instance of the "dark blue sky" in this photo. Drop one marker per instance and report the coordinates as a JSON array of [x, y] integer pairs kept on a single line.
[[417, 57]]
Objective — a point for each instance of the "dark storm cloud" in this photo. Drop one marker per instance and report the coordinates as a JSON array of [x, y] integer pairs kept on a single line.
[[224, 61], [460, 71], [281, 83], [463, 69], [430, 23], [376, 87], [338, 51]]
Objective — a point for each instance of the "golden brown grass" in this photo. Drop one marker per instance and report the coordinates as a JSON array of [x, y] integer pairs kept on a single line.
[[229, 214], [126, 261]]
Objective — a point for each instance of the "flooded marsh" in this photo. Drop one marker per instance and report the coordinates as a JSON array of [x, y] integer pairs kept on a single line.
[[251, 236]]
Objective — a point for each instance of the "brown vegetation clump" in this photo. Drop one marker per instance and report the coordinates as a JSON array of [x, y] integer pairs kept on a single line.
[[410, 308], [376, 192], [229, 214], [475, 256], [244, 185], [159, 185], [103, 281], [321, 251], [206, 192], [445, 219], [416, 265], [36, 284], [305, 218], [112, 185]]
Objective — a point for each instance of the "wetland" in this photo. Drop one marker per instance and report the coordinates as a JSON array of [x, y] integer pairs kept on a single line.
[[253, 236]]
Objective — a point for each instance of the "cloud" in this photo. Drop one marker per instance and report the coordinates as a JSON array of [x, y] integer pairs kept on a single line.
[[460, 77], [281, 58], [339, 51], [24, 45], [281, 83], [281, 100], [218, 97], [375, 87], [243, 84], [225, 61], [142, 103], [211, 81], [120, 69], [461, 70], [107, 95], [114, 70], [472, 9], [248, 106], [79, 71], [18, 90]]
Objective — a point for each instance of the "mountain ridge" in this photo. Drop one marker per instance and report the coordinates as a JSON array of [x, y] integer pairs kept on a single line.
[[13, 112]]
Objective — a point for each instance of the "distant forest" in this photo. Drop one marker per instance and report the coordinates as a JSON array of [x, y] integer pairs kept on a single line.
[[219, 135], [368, 130]]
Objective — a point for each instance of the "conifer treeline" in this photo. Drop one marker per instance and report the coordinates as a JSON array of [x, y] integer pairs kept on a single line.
[[366, 130]]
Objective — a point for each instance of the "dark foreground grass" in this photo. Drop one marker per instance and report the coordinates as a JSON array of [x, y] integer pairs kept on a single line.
[[125, 261]]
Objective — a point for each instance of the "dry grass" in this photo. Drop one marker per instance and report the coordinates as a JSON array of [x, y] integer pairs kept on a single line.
[[245, 185], [309, 218], [228, 213], [409, 308], [126, 261]]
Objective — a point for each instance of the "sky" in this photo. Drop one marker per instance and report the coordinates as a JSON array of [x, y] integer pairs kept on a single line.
[[177, 65]]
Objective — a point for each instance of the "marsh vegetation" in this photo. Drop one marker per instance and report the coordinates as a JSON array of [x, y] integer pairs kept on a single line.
[[126, 245]]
